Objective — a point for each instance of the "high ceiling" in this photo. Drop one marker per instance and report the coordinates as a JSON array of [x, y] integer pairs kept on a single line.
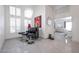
[[58, 6]]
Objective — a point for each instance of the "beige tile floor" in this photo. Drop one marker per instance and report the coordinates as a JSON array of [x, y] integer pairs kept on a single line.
[[59, 45]]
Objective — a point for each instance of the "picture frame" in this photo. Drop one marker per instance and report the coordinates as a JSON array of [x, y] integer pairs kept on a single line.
[[37, 21]]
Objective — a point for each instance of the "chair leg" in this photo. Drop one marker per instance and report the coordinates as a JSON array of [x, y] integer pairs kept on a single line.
[[30, 41]]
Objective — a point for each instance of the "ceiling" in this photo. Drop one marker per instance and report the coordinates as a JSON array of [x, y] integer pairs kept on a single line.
[[58, 6]]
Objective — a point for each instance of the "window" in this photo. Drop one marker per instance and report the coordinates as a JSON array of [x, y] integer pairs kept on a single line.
[[28, 13], [12, 25], [69, 26], [65, 22], [49, 22], [12, 11], [26, 22], [15, 21], [18, 24], [18, 12]]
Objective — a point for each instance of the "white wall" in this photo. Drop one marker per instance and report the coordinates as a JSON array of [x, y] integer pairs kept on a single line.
[[75, 22], [49, 14], [1, 25], [40, 10], [46, 12], [62, 12]]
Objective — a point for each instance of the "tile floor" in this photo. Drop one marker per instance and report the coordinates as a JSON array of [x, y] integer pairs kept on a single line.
[[40, 46]]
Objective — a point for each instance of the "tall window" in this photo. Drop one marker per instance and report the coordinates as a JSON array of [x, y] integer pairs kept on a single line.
[[28, 13], [12, 10], [18, 24], [18, 12], [15, 19], [12, 24], [69, 26], [26, 22], [69, 23]]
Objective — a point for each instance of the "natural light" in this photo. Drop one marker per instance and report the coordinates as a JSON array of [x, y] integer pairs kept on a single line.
[[18, 12], [18, 24], [69, 26], [28, 13], [26, 22], [15, 21], [12, 25], [12, 10]]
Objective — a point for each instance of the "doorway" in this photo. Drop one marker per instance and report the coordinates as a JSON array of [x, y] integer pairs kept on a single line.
[[63, 28]]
